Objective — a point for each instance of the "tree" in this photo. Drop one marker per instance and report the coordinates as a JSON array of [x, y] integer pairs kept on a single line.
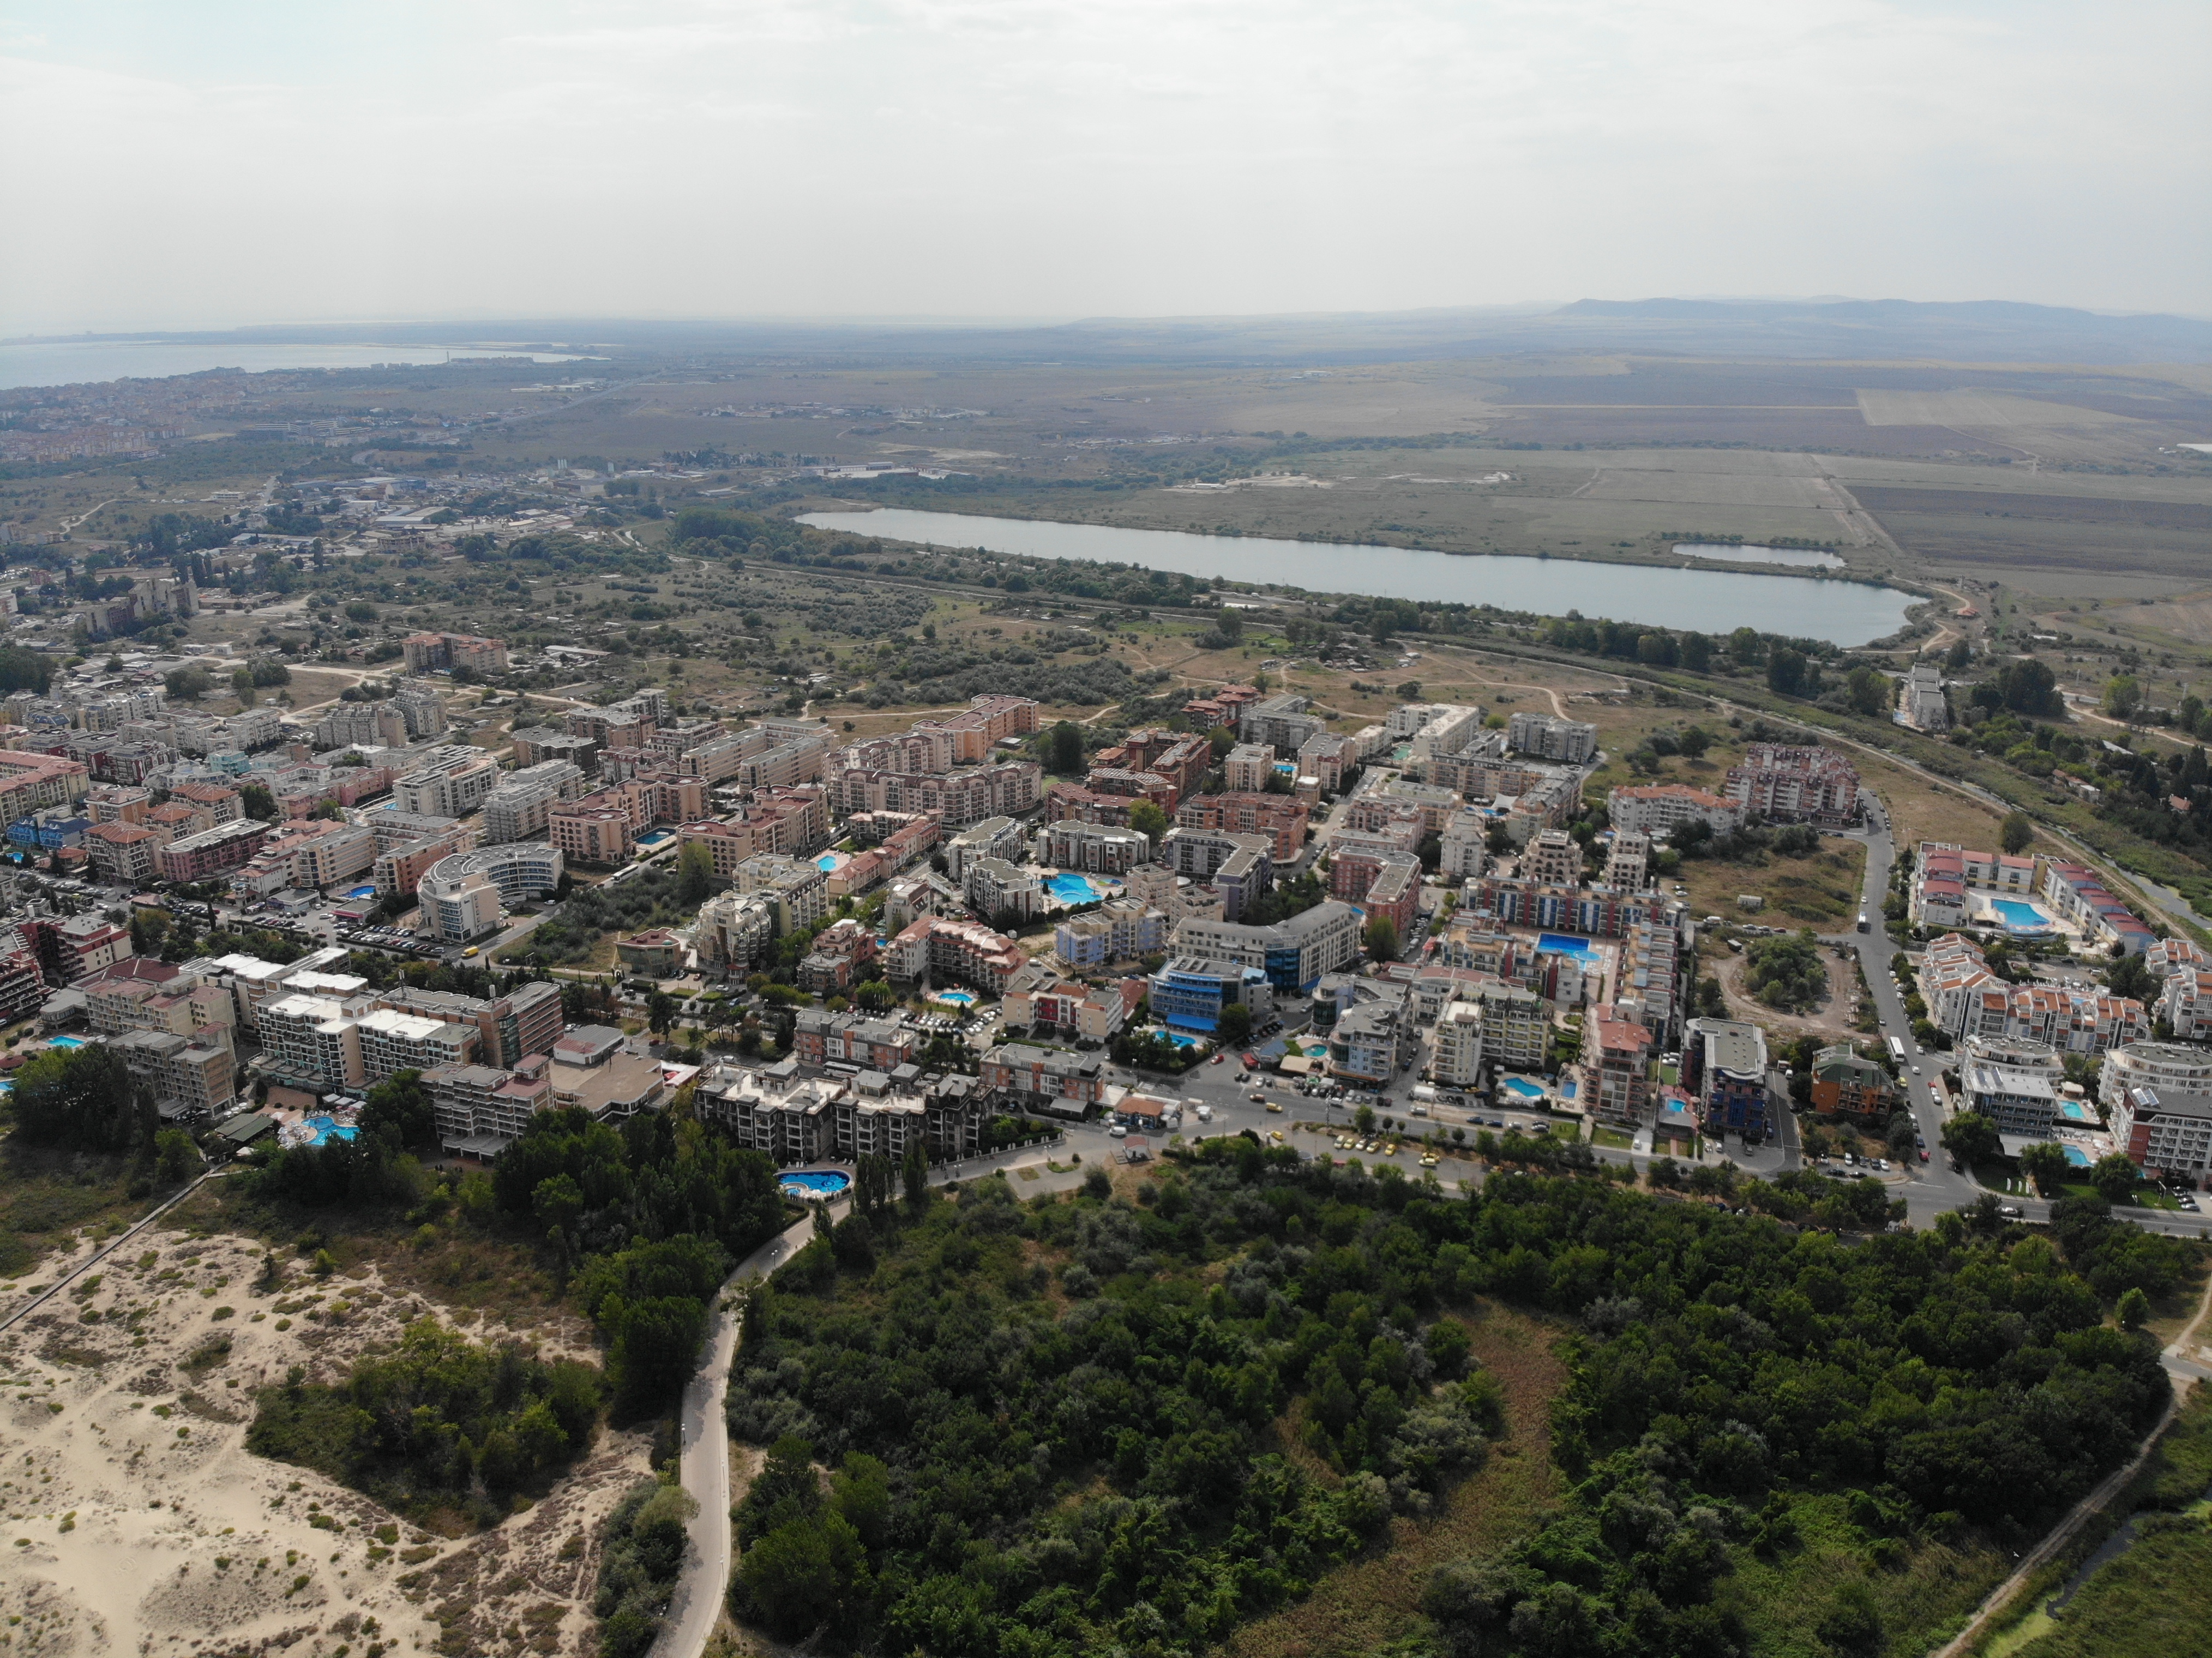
[[695, 873], [2129, 975], [1235, 1025], [1971, 1137], [2133, 1308], [401, 1103], [2045, 1163], [2018, 829], [1694, 741], [175, 1158], [1230, 624], [257, 801], [1382, 938], [2114, 1177], [1868, 690], [913, 1172], [659, 1011], [1785, 671], [1063, 749], [1148, 819], [2123, 696], [81, 1099]]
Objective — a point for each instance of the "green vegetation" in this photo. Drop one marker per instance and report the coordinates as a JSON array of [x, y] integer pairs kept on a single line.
[[654, 898], [644, 1542], [1787, 972], [81, 1099], [440, 1424], [651, 1217], [1779, 1443]]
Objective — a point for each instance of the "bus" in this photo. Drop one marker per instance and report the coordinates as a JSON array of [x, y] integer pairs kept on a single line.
[[1896, 1051]]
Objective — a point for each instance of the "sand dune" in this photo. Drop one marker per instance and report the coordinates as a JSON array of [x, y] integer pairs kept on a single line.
[[136, 1522]]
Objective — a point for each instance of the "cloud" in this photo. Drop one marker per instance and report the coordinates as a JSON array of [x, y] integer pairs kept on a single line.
[[977, 156]]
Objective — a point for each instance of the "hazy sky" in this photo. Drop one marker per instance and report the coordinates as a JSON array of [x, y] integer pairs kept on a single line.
[[200, 163]]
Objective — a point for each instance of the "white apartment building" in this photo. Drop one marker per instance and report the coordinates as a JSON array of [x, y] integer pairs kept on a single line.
[[393, 1042], [1458, 1062], [313, 1039]]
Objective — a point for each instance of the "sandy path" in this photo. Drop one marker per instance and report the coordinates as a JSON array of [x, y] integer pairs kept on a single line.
[[136, 1522]]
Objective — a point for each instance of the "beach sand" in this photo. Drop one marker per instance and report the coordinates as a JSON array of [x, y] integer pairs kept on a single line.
[[136, 1522]]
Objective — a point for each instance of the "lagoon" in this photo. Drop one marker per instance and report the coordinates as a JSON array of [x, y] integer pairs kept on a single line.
[[1709, 601]]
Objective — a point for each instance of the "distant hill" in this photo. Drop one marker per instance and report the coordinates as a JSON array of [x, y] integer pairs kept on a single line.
[[1979, 331]]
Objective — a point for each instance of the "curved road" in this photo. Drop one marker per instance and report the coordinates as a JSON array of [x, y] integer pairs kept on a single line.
[[704, 1425]]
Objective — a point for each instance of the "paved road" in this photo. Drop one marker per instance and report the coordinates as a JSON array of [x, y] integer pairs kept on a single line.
[[704, 1458]]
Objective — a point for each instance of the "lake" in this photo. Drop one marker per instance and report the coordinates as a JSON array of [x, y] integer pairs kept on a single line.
[[1749, 553], [73, 362], [1709, 601]]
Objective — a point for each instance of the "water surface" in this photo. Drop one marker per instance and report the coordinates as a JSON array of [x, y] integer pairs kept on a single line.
[[1709, 601], [72, 362]]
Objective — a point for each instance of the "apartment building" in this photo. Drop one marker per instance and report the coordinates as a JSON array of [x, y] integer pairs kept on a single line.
[[1616, 1066], [1224, 708], [958, 798], [1795, 784], [480, 1109], [1293, 953], [1725, 1069], [2163, 1066], [1848, 1084], [1040, 1079], [1093, 848], [123, 853], [211, 853], [1628, 861], [1120, 930], [519, 807], [994, 887], [392, 1041], [191, 1082], [949, 951], [794, 1118], [536, 746], [858, 1039], [1247, 768], [521, 869], [2082, 898], [312, 1041], [734, 933], [453, 784], [461, 907], [1457, 1056], [600, 829], [1280, 721], [311, 854], [1282, 819], [2015, 1084], [795, 890], [1549, 737], [995, 837], [1965, 999], [2166, 1133], [428, 653]]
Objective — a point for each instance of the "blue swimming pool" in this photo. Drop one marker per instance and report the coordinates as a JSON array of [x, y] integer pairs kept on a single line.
[[828, 861], [1179, 1039], [2019, 917], [957, 998], [1522, 1088], [327, 1128], [2077, 1156], [2077, 1111], [814, 1183], [1072, 889], [68, 1042], [1560, 944], [362, 892]]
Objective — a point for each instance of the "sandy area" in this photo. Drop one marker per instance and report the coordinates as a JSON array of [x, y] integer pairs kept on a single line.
[[136, 1522]]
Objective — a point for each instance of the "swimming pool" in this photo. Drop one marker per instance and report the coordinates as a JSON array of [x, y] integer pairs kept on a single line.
[[1179, 1039], [1522, 1088], [1072, 889], [956, 997], [829, 860], [66, 1041], [2077, 1156], [362, 892], [327, 1128], [2018, 917], [1560, 945], [814, 1183], [2077, 1111]]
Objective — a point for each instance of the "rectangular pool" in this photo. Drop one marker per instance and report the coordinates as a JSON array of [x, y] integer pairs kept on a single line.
[[1522, 1088], [1559, 944], [66, 1041], [2077, 1111]]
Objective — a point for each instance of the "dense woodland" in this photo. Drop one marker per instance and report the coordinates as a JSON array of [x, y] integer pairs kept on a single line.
[[1082, 1425]]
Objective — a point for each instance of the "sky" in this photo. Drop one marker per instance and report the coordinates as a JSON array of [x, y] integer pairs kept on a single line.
[[209, 163]]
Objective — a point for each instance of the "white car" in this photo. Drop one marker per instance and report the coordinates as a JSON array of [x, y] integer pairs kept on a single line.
[[1118, 1132]]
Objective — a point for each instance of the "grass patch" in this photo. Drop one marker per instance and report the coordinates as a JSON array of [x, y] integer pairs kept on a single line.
[[2151, 1602], [1362, 1606], [1617, 1139], [47, 1196]]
